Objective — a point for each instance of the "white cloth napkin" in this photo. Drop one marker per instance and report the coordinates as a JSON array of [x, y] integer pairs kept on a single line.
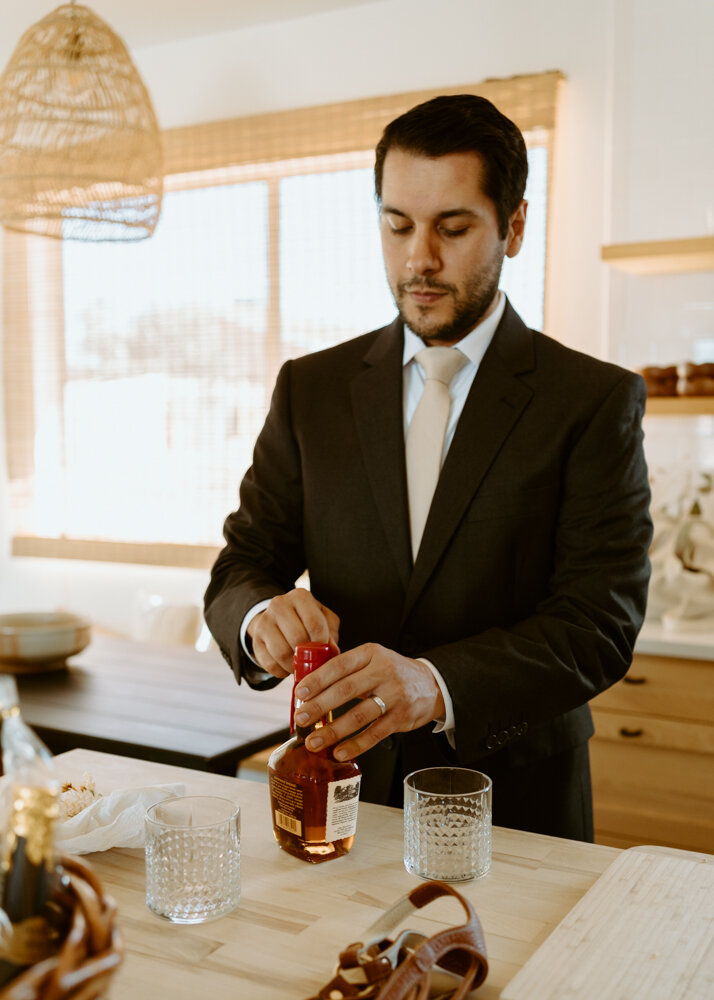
[[114, 820]]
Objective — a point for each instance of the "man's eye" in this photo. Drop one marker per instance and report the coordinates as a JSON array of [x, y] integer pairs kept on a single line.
[[455, 232], [401, 230]]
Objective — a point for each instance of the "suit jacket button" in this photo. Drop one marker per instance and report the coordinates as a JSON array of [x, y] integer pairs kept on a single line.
[[387, 743], [491, 743]]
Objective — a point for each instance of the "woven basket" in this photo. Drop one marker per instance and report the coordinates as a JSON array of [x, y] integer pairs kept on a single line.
[[90, 954]]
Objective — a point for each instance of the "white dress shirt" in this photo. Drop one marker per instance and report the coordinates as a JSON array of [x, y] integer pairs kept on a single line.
[[474, 346]]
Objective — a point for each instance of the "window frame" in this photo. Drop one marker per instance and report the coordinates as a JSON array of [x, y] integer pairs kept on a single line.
[[265, 147]]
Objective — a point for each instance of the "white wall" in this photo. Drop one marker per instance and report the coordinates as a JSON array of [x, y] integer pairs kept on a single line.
[[399, 45], [635, 160], [663, 172]]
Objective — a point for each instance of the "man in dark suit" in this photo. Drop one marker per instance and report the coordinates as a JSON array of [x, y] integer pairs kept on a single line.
[[480, 641]]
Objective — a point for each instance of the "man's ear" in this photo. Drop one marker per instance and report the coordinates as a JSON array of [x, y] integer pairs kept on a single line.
[[516, 230]]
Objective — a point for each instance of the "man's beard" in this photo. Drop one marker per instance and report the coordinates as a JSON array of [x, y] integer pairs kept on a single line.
[[469, 306]]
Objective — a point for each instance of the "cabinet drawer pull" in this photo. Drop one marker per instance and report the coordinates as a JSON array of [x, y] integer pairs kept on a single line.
[[630, 733], [634, 680]]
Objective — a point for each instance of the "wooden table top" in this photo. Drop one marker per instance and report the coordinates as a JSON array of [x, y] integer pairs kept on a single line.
[[282, 941], [170, 704]]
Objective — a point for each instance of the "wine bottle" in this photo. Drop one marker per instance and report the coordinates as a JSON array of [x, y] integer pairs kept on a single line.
[[313, 797], [32, 928]]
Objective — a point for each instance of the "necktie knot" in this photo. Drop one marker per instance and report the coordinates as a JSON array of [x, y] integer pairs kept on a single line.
[[441, 363]]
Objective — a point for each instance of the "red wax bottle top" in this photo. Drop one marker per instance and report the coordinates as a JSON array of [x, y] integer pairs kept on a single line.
[[309, 656]]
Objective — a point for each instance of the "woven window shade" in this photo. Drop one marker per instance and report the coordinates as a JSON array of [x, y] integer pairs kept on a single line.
[[530, 101], [80, 147], [268, 151]]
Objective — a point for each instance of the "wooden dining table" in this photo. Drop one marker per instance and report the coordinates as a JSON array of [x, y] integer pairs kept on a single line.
[[164, 703], [283, 939]]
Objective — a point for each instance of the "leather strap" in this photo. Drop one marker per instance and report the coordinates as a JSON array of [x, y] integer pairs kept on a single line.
[[402, 969]]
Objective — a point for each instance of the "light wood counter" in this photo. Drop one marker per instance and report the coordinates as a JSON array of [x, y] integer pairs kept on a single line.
[[282, 941]]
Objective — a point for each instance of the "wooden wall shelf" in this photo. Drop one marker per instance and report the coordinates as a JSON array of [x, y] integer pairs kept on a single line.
[[661, 256], [683, 406]]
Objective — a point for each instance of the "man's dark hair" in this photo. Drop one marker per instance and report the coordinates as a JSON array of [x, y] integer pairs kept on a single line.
[[463, 123]]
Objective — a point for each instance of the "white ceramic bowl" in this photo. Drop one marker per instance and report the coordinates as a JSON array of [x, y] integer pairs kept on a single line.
[[40, 640]]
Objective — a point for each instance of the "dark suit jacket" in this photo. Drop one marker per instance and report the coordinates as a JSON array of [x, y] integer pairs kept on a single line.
[[530, 584]]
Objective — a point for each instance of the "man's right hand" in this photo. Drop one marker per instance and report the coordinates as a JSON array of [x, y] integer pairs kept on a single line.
[[288, 620]]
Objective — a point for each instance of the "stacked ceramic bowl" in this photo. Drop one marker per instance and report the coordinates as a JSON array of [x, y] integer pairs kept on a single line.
[[35, 641]]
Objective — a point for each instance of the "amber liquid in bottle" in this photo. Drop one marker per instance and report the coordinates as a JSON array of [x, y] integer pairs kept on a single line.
[[313, 797]]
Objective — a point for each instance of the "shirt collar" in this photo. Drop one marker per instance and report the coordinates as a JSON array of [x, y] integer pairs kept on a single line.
[[473, 345]]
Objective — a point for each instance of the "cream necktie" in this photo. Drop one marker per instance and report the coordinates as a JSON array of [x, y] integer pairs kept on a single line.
[[425, 437]]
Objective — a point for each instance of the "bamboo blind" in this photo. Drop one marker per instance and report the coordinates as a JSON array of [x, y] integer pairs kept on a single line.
[[530, 101]]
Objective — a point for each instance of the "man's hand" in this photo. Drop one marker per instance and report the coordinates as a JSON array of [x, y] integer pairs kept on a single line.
[[288, 620], [407, 688]]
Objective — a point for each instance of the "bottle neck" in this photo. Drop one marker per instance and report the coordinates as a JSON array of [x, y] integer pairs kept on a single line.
[[302, 732], [9, 700], [32, 819], [308, 657]]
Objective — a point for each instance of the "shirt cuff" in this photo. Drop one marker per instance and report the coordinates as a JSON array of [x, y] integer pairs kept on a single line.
[[448, 723], [247, 646]]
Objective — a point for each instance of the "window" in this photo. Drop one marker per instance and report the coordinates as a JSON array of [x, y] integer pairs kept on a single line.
[[138, 375]]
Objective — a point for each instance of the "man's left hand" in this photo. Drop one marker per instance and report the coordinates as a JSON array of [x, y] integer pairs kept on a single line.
[[406, 687]]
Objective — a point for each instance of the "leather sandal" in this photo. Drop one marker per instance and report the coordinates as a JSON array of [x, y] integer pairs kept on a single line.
[[450, 965]]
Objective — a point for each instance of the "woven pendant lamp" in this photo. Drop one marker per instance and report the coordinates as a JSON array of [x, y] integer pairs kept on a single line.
[[80, 149]]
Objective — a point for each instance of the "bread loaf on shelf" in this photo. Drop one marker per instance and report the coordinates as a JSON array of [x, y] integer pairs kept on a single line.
[[684, 379], [660, 381], [695, 380]]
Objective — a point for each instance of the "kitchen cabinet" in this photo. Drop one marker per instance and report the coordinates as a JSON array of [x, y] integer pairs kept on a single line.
[[653, 751], [652, 755]]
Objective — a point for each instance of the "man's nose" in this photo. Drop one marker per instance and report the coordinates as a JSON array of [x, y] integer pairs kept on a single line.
[[423, 254]]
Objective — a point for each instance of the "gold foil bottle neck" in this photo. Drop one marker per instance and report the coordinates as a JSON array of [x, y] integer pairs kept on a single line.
[[33, 817]]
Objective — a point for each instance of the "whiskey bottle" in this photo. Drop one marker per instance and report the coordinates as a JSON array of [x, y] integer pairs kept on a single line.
[[32, 930], [313, 797]]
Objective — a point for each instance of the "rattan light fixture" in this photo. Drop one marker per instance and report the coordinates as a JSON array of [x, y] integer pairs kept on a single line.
[[80, 149]]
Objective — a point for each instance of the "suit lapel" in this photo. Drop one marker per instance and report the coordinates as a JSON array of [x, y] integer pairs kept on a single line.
[[380, 426], [495, 403]]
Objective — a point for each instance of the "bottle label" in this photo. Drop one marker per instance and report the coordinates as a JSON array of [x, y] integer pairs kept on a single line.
[[287, 805], [342, 801]]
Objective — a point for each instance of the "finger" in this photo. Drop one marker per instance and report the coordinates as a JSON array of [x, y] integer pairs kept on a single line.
[[283, 622], [299, 617], [346, 677], [349, 749], [266, 661], [404, 688], [365, 714], [288, 620], [319, 623], [270, 646]]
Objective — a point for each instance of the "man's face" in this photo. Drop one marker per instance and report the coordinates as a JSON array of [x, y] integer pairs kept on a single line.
[[442, 250]]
